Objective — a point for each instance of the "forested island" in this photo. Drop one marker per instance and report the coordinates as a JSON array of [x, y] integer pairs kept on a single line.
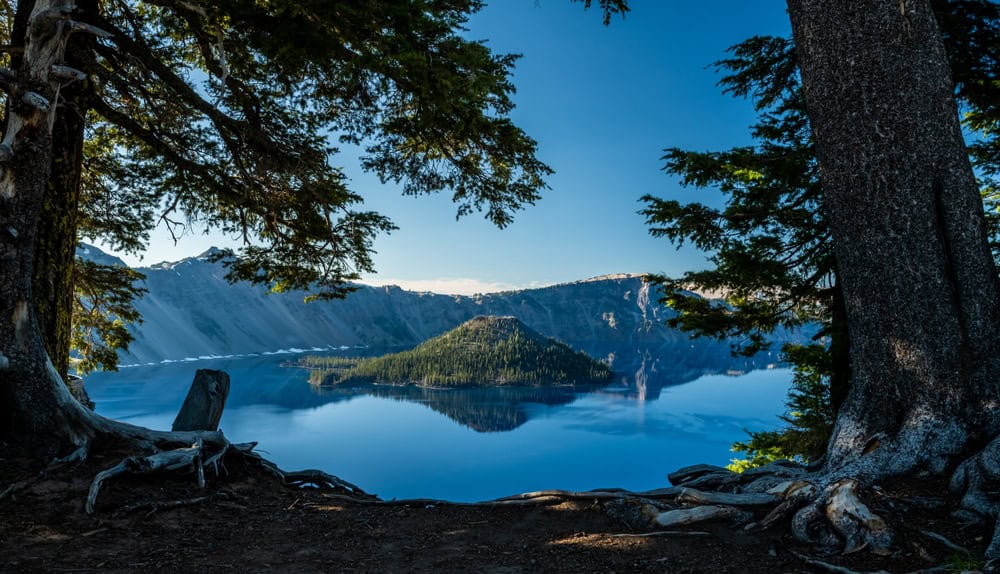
[[484, 351]]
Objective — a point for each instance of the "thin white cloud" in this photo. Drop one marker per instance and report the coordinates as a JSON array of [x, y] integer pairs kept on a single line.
[[452, 286]]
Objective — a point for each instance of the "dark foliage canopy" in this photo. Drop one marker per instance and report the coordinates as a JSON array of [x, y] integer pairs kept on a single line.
[[771, 249], [226, 114], [773, 262], [230, 116]]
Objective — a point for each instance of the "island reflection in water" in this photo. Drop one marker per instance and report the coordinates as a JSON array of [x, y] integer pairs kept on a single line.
[[395, 442], [640, 375]]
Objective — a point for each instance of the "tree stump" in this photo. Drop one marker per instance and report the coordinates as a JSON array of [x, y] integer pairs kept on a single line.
[[203, 406]]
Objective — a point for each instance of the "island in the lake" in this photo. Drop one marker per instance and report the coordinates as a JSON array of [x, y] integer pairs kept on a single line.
[[484, 351]]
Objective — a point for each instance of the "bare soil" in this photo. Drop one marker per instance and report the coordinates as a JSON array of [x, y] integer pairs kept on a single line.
[[250, 522]]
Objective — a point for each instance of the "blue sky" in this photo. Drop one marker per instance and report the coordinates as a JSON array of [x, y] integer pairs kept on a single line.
[[602, 103]]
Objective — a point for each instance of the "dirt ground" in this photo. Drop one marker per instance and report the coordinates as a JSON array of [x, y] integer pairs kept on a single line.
[[252, 523]]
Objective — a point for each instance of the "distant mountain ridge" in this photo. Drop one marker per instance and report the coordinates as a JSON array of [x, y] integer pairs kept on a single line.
[[191, 311]]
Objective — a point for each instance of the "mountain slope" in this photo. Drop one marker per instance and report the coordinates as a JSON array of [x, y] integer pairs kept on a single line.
[[191, 311], [484, 351]]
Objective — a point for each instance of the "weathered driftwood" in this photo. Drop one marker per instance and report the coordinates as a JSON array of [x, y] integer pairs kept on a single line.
[[699, 514], [204, 403], [182, 458], [750, 499]]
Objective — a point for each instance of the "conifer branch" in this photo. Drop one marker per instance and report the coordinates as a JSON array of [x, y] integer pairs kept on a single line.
[[36, 100], [83, 27], [68, 74]]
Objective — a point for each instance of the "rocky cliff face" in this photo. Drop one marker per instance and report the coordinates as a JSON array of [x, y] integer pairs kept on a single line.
[[191, 311]]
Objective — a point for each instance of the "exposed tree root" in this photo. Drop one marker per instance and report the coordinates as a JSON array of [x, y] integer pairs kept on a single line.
[[742, 500], [152, 507], [831, 567], [854, 521], [78, 455], [179, 459], [603, 494], [945, 542], [830, 516], [973, 479], [13, 489], [315, 478], [824, 508], [660, 533], [823, 511], [168, 451], [196, 459], [538, 498], [700, 514]]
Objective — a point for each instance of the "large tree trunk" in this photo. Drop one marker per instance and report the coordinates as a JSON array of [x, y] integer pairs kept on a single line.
[[36, 405], [920, 288], [55, 252]]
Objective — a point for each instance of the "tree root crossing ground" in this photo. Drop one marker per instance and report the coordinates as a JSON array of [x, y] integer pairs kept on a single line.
[[251, 515]]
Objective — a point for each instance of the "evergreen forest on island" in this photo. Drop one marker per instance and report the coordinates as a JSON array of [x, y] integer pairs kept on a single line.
[[484, 351]]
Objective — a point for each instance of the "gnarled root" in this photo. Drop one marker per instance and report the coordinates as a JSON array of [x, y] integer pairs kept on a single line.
[[971, 479], [186, 459], [196, 459], [314, 478], [839, 514], [850, 517], [194, 450], [825, 511]]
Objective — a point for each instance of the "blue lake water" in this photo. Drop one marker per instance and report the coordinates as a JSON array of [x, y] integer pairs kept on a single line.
[[467, 445]]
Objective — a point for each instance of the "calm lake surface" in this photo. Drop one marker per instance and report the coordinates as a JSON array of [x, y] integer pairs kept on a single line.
[[471, 444]]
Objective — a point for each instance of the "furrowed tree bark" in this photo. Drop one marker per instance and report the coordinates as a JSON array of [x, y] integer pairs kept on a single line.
[[37, 410], [37, 406], [920, 288], [840, 351], [55, 253]]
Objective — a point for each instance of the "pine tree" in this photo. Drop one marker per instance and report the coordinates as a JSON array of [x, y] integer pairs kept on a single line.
[[216, 115], [771, 245], [220, 114]]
